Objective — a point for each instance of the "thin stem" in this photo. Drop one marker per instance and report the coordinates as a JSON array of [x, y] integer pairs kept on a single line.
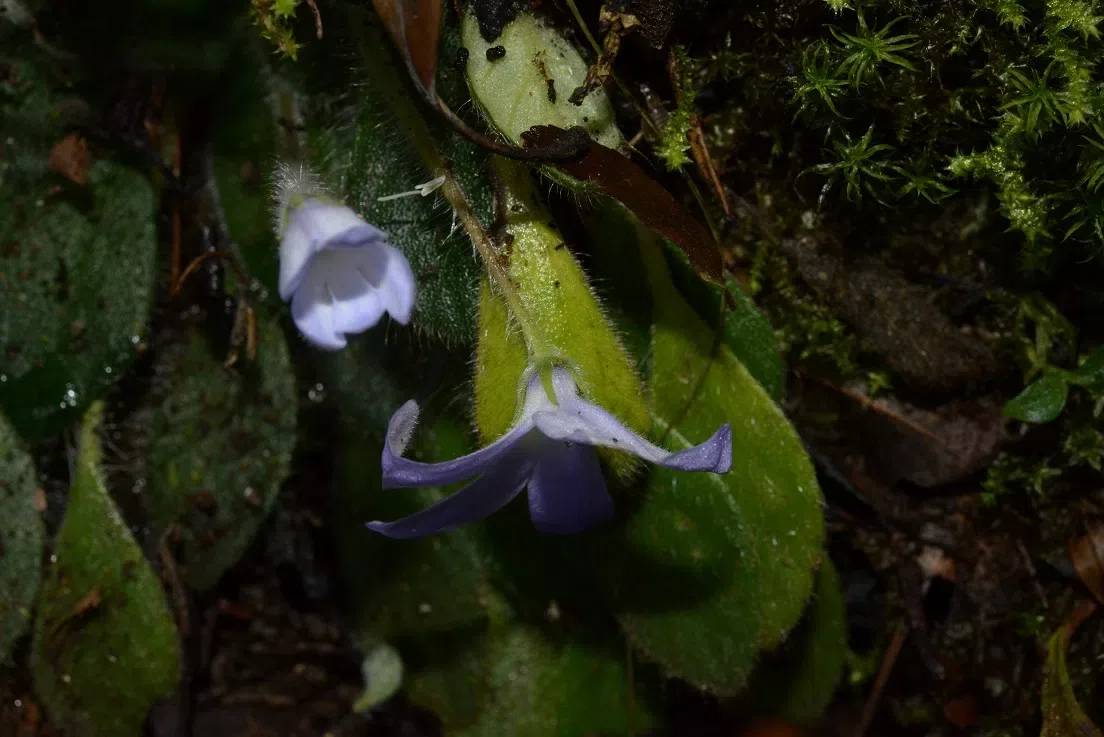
[[613, 75], [582, 25], [387, 76]]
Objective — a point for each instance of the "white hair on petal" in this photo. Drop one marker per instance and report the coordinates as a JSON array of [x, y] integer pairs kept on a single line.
[[288, 182]]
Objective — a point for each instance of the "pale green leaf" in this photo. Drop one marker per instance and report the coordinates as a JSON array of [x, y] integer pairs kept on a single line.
[[1062, 715], [529, 84], [566, 313], [105, 645]]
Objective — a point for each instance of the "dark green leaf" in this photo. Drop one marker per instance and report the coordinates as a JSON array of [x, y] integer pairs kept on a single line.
[[21, 537], [76, 279], [428, 597], [247, 142], [539, 688], [105, 646], [745, 329], [797, 682], [750, 336], [712, 569], [1042, 400], [1090, 373], [366, 151], [220, 446]]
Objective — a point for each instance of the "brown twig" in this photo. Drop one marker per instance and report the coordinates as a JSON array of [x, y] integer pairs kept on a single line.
[[317, 19], [881, 408], [888, 662]]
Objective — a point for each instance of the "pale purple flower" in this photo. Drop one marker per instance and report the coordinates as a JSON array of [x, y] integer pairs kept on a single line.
[[340, 273], [549, 451]]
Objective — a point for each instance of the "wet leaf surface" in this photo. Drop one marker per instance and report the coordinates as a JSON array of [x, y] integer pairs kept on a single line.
[[21, 538], [105, 646], [78, 281], [220, 444], [76, 262], [1041, 401]]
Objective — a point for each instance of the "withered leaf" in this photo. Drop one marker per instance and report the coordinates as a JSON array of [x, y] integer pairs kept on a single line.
[[69, 158], [415, 25], [895, 318], [930, 448], [656, 17], [1087, 555], [617, 176]]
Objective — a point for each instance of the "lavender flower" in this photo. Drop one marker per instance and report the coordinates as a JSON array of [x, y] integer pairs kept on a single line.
[[339, 273], [549, 450]]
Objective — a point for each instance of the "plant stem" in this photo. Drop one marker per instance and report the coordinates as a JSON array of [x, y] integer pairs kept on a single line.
[[387, 77]]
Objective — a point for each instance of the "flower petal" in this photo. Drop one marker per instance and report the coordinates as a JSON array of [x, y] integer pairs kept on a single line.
[[346, 276], [501, 482], [313, 226], [403, 473], [567, 492], [580, 421], [312, 308], [396, 285]]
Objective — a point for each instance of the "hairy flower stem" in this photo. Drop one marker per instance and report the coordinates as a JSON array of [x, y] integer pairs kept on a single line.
[[388, 77]]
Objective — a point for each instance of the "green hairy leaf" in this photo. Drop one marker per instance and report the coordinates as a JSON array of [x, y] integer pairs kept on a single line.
[[21, 538], [731, 557], [105, 645]]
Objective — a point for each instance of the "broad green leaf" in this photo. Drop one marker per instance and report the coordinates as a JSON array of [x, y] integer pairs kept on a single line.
[[749, 335], [797, 682], [1062, 715], [1041, 401], [712, 569], [21, 538], [541, 688], [1090, 373], [530, 83], [565, 312], [76, 279], [105, 645], [220, 444], [745, 329], [76, 261]]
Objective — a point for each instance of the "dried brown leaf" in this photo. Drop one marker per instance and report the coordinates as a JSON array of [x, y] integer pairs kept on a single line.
[[895, 318], [415, 26], [656, 18], [931, 448], [69, 157], [620, 178], [1087, 556]]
